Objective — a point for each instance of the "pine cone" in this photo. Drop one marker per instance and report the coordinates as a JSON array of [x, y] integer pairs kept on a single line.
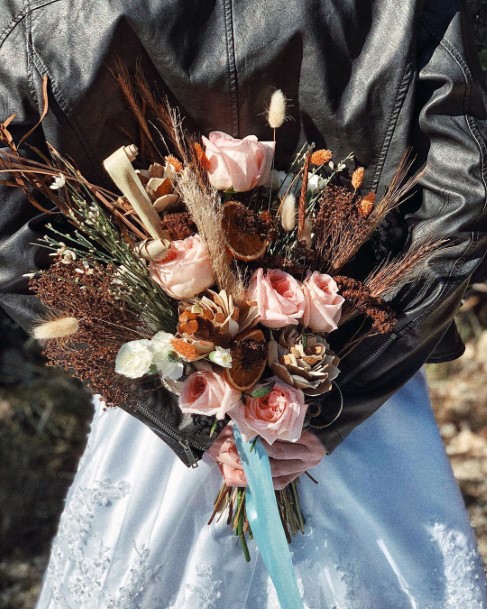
[[303, 361]]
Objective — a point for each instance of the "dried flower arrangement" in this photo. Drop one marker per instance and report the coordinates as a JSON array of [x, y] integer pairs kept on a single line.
[[213, 273]]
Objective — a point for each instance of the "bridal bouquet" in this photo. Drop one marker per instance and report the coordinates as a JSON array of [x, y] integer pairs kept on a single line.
[[213, 274]]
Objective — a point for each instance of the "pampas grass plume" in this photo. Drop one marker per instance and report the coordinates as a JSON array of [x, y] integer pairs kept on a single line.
[[57, 328], [288, 213], [276, 114]]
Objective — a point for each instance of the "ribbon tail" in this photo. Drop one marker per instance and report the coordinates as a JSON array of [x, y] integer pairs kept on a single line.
[[265, 521]]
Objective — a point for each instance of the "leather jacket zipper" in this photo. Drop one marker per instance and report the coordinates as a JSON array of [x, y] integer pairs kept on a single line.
[[368, 360], [185, 443]]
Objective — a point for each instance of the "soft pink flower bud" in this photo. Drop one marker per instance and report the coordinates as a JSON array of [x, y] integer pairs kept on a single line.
[[279, 298], [279, 415], [208, 393], [238, 164], [186, 270]]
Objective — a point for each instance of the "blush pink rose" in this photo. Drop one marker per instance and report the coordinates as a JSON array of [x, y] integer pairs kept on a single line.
[[279, 298], [208, 393], [277, 416], [323, 303], [186, 270], [238, 164]]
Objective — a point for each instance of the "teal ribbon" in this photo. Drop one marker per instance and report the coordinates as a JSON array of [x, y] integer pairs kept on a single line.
[[265, 521]]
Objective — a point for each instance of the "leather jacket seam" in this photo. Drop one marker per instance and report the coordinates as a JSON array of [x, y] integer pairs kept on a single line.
[[20, 16], [66, 111], [470, 120], [392, 123], [231, 65]]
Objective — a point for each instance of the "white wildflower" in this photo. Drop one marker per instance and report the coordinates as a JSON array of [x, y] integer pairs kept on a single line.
[[221, 357], [59, 182], [134, 359], [164, 358]]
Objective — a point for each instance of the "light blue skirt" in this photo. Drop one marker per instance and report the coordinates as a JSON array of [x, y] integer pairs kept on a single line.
[[386, 525]]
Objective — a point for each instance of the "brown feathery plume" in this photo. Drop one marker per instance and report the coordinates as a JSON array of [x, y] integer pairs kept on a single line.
[[352, 240], [321, 157], [392, 275], [335, 221], [105, 323], [360, 300], [124, 80], [207, 213]]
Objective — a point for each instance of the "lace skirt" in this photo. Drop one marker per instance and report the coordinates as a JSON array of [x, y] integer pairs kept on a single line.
[[385, 527]]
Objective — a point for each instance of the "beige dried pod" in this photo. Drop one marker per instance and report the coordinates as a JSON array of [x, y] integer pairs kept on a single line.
[[288, 213], [162, 203], [276, 114], [56, 328]]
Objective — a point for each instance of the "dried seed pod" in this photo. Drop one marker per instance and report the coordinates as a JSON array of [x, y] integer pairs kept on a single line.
[[321, 157], [176, 163], [288, 213], [162, 203], [358, 177], [56, 328], [276, 114], [366, 205]]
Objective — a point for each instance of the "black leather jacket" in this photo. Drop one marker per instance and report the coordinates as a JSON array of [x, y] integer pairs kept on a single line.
[[363, 76]]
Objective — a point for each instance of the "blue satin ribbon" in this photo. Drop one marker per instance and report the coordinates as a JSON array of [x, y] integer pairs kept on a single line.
[[265, 521]]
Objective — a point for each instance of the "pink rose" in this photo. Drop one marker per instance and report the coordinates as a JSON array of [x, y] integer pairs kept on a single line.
[[186, 270], [225, 453], [323, 303], [238, 164], [279, 415], [208, 393], [279, 298]]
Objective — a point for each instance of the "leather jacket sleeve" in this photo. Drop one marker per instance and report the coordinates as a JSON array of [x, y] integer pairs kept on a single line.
[[20, 223], [449, 134]]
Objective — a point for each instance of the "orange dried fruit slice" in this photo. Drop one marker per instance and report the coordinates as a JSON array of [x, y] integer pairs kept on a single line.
[[243, 245], [249, 358]]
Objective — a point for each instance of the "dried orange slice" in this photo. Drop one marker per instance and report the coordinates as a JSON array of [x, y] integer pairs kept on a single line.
[[249, 358], [244, 244]]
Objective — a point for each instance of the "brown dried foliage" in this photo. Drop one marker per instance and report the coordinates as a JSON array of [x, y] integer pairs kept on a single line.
[[394, 274], [179, 225], [342, 231], [359, 300], [105, 323]]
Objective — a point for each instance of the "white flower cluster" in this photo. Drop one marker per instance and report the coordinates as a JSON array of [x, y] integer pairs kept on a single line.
[[139, 357]]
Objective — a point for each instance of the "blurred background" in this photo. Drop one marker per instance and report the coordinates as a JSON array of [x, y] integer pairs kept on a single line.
[[44, 420]]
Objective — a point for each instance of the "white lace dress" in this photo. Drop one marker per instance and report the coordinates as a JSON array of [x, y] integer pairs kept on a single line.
[[386, 527]]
